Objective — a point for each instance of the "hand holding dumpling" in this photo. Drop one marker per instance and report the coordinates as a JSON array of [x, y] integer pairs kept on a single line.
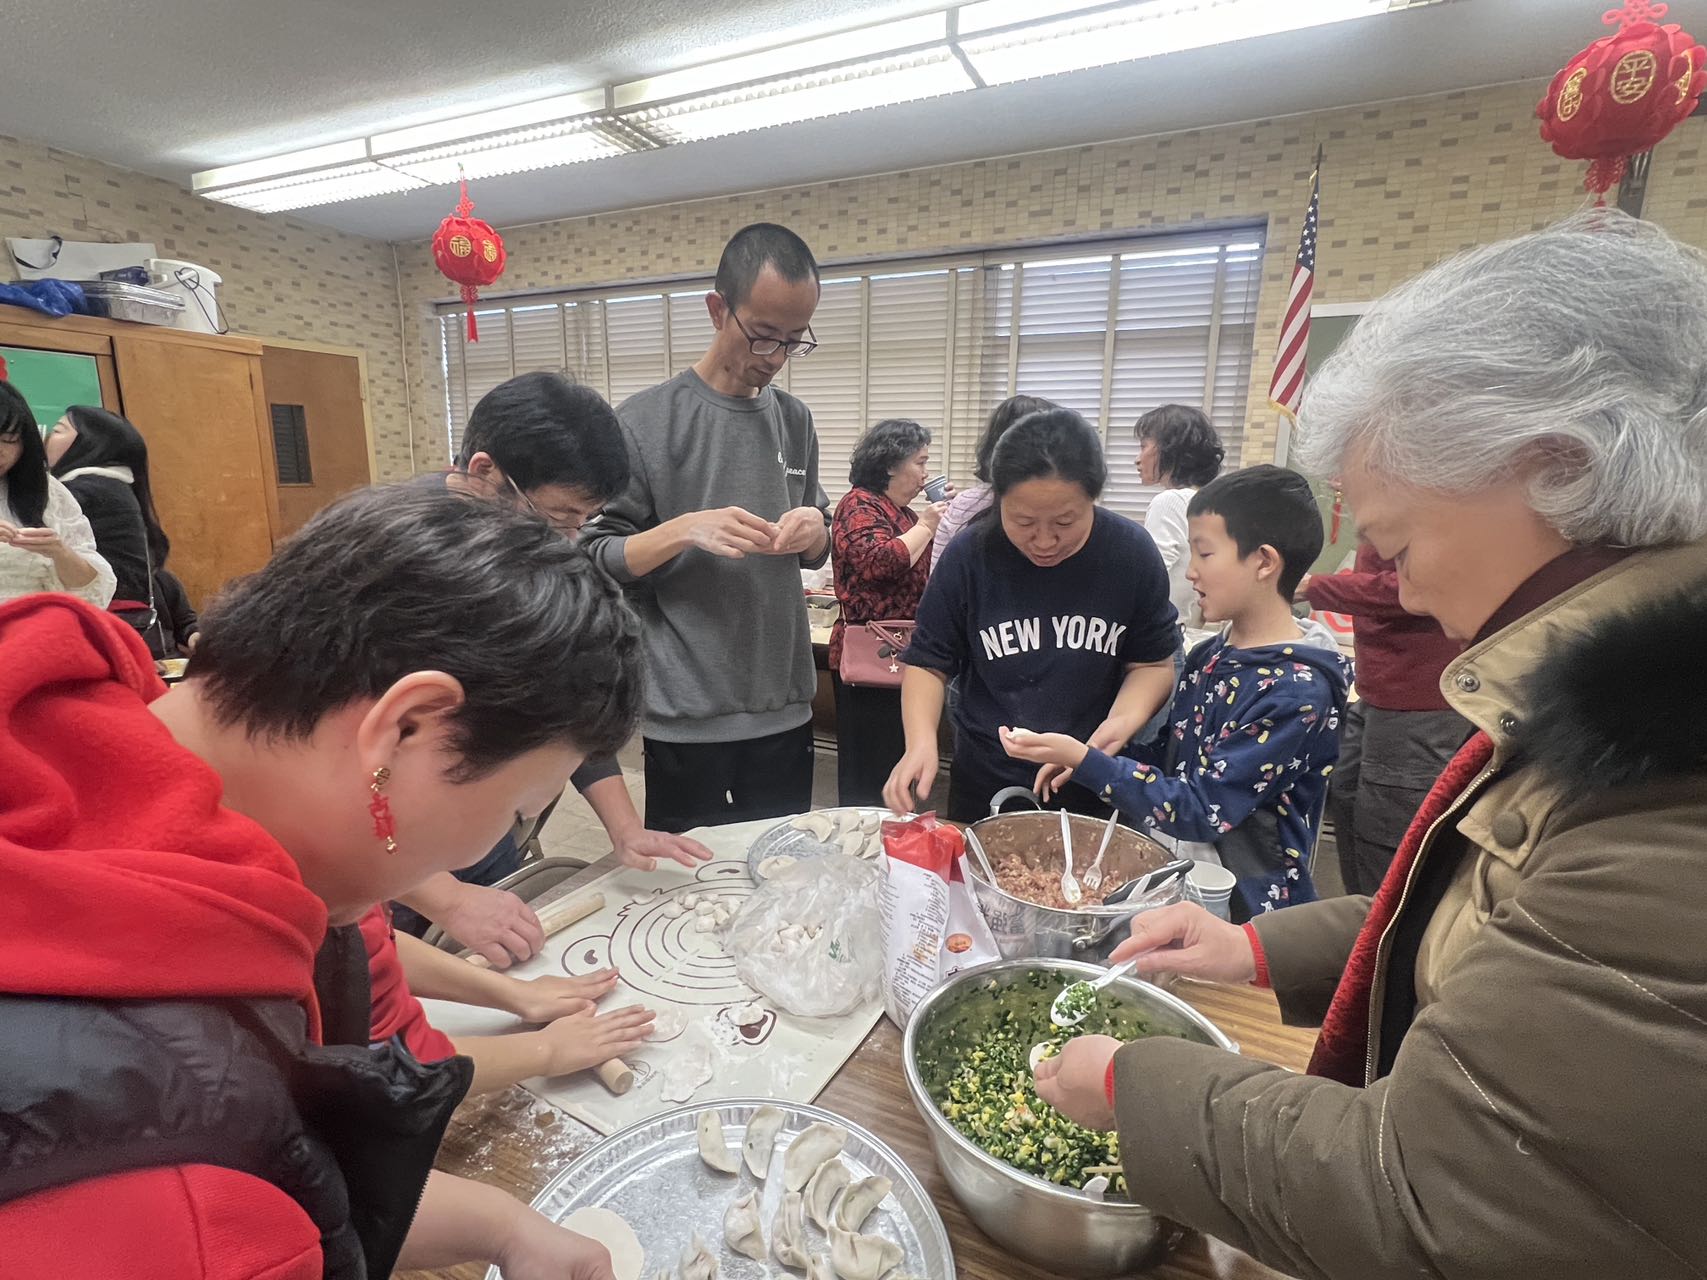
[[1075, 1081]]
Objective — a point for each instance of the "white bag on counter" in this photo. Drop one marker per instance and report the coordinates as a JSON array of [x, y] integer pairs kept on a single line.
[[932, 927], [807, 938]]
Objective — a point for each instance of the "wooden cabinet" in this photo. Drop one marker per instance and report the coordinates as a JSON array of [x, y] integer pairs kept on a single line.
[[202, 411], [202, 404]]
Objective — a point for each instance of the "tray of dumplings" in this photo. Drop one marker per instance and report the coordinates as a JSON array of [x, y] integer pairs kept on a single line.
[[736, 1189], [855, 832]]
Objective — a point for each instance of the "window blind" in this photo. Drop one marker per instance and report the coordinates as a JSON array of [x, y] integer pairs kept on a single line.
[[1110, 330]]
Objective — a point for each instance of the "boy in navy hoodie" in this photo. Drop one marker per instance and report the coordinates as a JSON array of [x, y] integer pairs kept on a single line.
[[1253, 732]]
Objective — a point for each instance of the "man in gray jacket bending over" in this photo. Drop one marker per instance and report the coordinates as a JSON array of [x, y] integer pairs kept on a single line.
[[722, 511]]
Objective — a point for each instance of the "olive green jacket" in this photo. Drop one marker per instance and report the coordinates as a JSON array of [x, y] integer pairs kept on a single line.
[[1546, 1115]]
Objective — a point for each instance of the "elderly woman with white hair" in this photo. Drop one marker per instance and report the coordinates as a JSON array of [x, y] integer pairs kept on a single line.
[[1510, 1077]]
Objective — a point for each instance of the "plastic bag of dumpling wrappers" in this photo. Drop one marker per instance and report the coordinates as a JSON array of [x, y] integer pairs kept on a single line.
[[809, 939]]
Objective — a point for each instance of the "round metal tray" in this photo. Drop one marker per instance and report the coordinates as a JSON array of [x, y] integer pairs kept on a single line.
[[651, 1173], [784, 839]]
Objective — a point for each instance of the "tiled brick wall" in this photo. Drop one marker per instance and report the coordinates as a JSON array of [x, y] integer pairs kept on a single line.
[[283, 278], [1404, 184]]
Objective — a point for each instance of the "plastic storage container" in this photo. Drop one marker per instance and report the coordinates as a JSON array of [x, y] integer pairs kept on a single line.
[[133, 302]]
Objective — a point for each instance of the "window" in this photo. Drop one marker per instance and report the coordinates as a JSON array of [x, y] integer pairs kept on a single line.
[[1110, 330], [290, 444]]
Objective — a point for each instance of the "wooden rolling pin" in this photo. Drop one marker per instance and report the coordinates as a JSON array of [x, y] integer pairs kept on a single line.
[[616, 1075]]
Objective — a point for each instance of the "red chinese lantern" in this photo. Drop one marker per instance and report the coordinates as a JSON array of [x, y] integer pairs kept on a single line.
[[470, 253], [1623, 93]]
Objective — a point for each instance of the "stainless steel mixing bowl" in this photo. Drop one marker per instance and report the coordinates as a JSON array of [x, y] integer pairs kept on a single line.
[[1056, 1228]]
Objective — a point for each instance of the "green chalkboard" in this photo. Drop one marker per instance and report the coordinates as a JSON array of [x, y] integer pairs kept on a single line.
[[52, 381], [1326, 333]]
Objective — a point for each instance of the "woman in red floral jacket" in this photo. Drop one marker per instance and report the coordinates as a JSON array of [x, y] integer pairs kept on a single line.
[[881, 550]]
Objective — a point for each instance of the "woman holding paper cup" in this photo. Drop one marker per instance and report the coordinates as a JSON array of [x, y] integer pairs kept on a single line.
[[1508, 1078], [1053, 613]]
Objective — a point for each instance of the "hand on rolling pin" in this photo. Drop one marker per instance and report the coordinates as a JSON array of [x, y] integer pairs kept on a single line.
[[585, 1040], [543, 1000], [492, 922], [643, 850]]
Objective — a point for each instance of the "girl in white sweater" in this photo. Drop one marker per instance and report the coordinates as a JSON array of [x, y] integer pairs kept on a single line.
[[45, 543]]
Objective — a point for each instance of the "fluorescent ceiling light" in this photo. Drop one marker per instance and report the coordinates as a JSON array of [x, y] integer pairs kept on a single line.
[[326, 186], [522, 116], [333, 153], [808, 97], [513, 153], [1127, 32], [769, 64]]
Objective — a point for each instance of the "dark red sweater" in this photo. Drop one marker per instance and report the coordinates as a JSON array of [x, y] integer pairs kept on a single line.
[[1399, 655]]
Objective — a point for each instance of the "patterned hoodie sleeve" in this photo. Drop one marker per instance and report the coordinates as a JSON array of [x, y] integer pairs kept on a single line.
[[1272, 741], [66, 518]]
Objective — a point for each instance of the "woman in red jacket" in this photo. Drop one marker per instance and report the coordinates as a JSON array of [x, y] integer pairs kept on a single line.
[[187, 1087], [881, 551]]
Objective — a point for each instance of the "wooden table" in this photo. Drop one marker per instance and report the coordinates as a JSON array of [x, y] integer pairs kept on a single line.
[[500, 1139]]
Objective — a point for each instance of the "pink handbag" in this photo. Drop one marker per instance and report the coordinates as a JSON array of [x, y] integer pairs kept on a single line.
[[871, 653]]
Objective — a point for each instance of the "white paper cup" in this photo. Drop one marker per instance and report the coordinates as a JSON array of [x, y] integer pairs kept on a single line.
[[1212, 885]]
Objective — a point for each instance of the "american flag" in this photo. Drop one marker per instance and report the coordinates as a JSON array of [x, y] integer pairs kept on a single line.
[[1287, 390]]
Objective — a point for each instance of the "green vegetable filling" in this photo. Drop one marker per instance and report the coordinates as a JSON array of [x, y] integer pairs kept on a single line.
[[975, 1062]]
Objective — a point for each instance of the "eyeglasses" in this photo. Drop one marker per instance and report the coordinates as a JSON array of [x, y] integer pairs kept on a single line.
[[770, 346], [566, 525]]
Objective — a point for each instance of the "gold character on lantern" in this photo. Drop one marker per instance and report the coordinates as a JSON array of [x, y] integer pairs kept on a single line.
[[489, 251], [1571, 93], [1688, 76], [461, 246], [1634, 76]]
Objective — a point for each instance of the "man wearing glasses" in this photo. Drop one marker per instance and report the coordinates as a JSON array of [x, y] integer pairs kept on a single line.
[[722, 510], [550, 446]]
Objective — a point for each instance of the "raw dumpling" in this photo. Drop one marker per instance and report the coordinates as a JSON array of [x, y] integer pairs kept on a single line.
[[705, 907], [820, 826], [690, 900], [859, 1200], [775, 863], [849, 820], [760, 1142], [673, 909], [610, 1229], [704, 924], [741, 1228], [713, 1146], [853, 843], [698, 1262], [822, 1191], [857, 1257], [788, 1233], [818, 1268], [807, 1153]]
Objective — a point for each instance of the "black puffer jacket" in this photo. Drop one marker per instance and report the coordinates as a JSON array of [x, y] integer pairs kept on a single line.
[[90, 1087]]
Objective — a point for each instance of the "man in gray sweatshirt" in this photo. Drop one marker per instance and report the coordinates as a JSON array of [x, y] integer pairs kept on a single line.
[[722, 510]]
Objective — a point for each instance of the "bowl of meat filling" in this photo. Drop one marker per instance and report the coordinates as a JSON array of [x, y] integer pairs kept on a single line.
[[1025, 908]]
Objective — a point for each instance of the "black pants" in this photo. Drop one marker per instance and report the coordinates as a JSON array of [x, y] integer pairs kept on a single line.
[[869, 740], [701, 784]]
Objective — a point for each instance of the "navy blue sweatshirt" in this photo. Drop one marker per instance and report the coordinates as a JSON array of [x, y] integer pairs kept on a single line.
[[1043, 649]]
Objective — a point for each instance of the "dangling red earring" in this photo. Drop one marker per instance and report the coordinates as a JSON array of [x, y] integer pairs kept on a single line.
[[384, 824]]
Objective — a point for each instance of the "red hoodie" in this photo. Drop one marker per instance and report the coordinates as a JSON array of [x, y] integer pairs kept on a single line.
[[122, 876]]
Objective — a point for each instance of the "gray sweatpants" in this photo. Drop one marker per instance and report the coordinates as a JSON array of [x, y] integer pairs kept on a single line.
[[1388, 762]]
